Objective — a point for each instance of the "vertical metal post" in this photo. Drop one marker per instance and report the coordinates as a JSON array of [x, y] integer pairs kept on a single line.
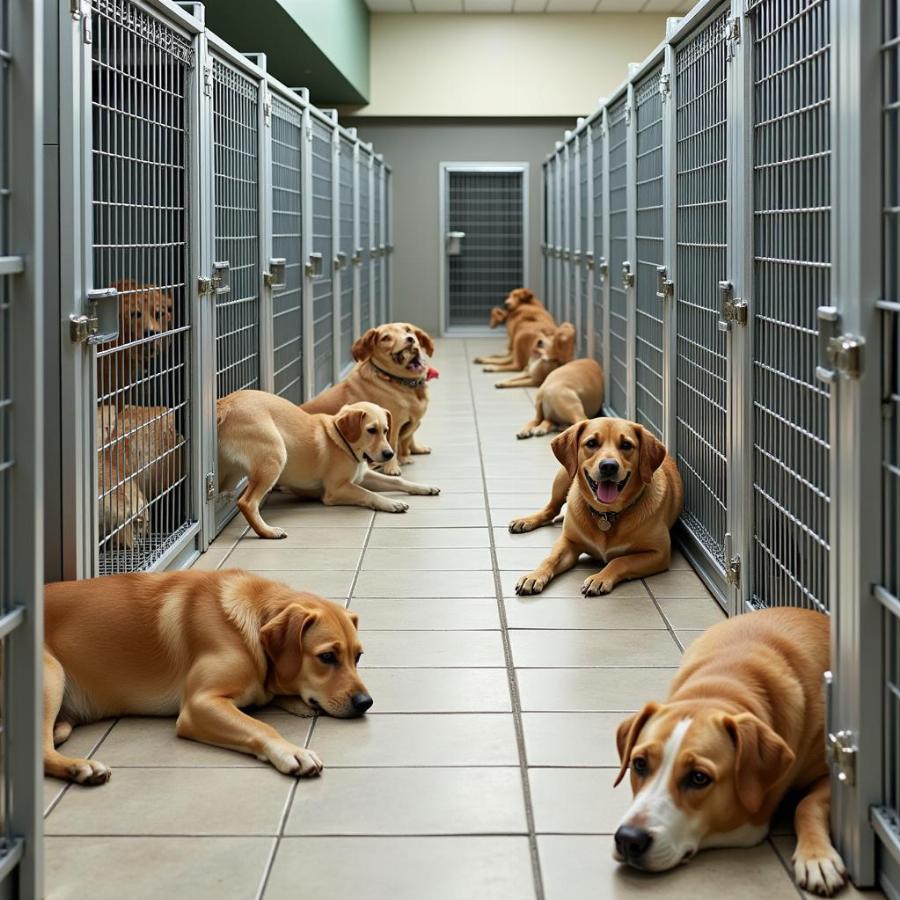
[[669, 231], [575, 231], [855, 526], [631, 245], [588, 255], [604, 130], [373, 314], [337, 274], [264, 218], [357, 260], [309, 346]]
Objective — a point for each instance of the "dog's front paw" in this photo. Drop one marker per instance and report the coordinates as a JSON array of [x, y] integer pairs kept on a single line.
[[421, 451], [541, 430], [598, 584], [533, 583], [527, 433], [425, 490], [293, 760], [392, 467], [88, 771], [823, 873], [520, 526], [396, 506]]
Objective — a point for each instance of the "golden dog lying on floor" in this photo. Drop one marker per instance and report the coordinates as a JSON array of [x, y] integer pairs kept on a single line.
[[198, 645], [391, 370], [567, 395], [272, 441], [743, 725], [623, 494], [521, 308], [550, 349]]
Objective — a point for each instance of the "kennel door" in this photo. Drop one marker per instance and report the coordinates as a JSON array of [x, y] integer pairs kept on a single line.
[[364, 250], [388, 243], [585, 258], [486, 205], [320, 267], [569, 237], [550, 300], [343, 258], [598, 226]]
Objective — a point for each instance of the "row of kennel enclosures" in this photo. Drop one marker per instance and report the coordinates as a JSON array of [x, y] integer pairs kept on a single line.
[[218, 232], [718, 231]]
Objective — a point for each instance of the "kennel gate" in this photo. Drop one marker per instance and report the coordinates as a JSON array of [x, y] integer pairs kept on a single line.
[[388, 243], [364, 250], [570, 237], [557, 302], [21, 447], [344, 233], [552, 237], [586, 257], [599, 299], [378, 237]]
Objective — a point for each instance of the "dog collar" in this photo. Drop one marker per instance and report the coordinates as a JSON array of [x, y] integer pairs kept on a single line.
[[347, 445], [606, 520], [406, 382]]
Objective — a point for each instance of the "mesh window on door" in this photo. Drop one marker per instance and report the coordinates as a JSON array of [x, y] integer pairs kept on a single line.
[[365, 241], [488, 208], [139, 157], [617, 365], [323, 309], [598, 140], [346, 234]]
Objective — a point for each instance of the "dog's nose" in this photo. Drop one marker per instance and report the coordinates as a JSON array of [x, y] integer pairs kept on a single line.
[[633, 843], [609, 468], [387, 454], [361, 702]]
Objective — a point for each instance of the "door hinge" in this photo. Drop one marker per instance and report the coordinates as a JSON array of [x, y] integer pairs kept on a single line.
[[589, 260], [840, 752], [665, 287], [210, 485], [732, 34], [732, 563], [217, 283], [733, 309], [603, 267], [627, 114], [101, 321], [87, 28], [839, 354], [267, 110], [207, 81], [665, 84], [75, 9], [627, 275]]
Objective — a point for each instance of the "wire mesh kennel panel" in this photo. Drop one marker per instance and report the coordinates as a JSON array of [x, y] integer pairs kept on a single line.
[[363, 252], [584, 203], [545, 233], [648, 326], [322, 163], [388, 242], [791, 279], [617, 313], [141, 76], [598, 155], [550, 300], [701, 376], [287, 236], [556, 292], [346, 208], [235, 109], [377, 238], [569, 232]]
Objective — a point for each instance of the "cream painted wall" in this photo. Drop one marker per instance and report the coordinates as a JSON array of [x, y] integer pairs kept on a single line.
[[502, 65]]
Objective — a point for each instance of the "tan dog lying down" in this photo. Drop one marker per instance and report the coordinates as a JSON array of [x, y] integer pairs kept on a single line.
[[391, 370], [568, 394], [550, 348], [742, 726], [520, 308], [623, 494], [197, 645], [272, 441]]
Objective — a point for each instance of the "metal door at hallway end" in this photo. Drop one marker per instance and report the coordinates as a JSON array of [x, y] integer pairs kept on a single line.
[[484, 237]]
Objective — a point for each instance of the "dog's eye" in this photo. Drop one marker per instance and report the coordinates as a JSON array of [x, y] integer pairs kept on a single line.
[[591, 443], [328, 658], [358, 657], [385, 337], [372, 429], [697, 779], [639, 766], [136, 314], [626, 445]]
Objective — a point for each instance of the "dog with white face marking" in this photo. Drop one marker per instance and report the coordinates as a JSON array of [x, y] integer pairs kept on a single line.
[[743, 725]]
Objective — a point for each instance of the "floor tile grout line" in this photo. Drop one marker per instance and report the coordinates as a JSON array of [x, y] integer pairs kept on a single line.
[[507, 652], [665, 618]]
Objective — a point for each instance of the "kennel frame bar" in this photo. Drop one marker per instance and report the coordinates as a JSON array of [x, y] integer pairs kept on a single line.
[[585, 341], [389, 242]]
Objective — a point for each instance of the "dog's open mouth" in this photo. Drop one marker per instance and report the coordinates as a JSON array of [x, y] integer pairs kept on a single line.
[[414, 363], [367, 458], [606, 491]]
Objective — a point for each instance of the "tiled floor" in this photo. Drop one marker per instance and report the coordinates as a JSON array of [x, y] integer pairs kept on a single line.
[[485, 768]]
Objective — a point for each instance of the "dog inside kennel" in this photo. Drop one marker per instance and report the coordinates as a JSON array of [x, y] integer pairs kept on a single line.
[[449, 449]]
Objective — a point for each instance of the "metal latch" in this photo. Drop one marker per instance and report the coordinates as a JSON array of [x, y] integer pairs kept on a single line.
[[733, 309], [840, 752], [357, 257], [664, 84], [313, 265], [603, 267], [627, 275], [732, 35], [207, 81], [565, 254], [101, 321], [340, 261], [576, 257], [220, 280], [665, 287], [732, 562], [275, 277], [839, 354], [210, 485], [589, 260]]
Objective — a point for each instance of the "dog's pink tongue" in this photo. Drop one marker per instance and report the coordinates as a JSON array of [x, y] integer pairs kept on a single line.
[[607, 491]]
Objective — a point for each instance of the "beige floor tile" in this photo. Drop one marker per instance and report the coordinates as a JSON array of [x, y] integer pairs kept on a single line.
[[578, 801], [592, 690], [275, 558], [411, 801], [434, 518], [686, 637], [421, 740], [537, 540], [315, 515], [676, 583], [423, 560], [620, 647], [175, 802], [582, 868], [212, 559], [424, 502], [438, 690], [147, 868], [451, 484], [441, 649], [679, 562], [83, 742], [784, 847], [434, 614], [424, 584], [571, 739], [524, 500], [438, 538], [332, 584], [582, 612], [569, 584], [408, 868], [525, 558], [692, 613], [337, 537], [511, 483]]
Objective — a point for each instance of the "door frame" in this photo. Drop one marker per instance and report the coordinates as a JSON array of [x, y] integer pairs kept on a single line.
[[445, 170]]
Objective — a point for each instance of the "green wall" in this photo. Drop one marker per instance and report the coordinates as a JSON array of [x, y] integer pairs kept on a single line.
[[319, 44]]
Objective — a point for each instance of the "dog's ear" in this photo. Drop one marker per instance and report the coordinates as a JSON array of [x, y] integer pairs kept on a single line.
[[349, 422], [354, 618], [564, 342], [565, 447], [364, 346], [525, 296], [652, 452], [390, 419], [627, 734], [761, 758], [425, 340], [282, 639], [498, 316]]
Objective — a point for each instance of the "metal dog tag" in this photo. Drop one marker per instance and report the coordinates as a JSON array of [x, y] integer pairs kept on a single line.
[[604, 523]]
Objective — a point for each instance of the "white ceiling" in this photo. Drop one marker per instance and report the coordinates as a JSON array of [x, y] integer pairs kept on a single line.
[[529, 6]]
